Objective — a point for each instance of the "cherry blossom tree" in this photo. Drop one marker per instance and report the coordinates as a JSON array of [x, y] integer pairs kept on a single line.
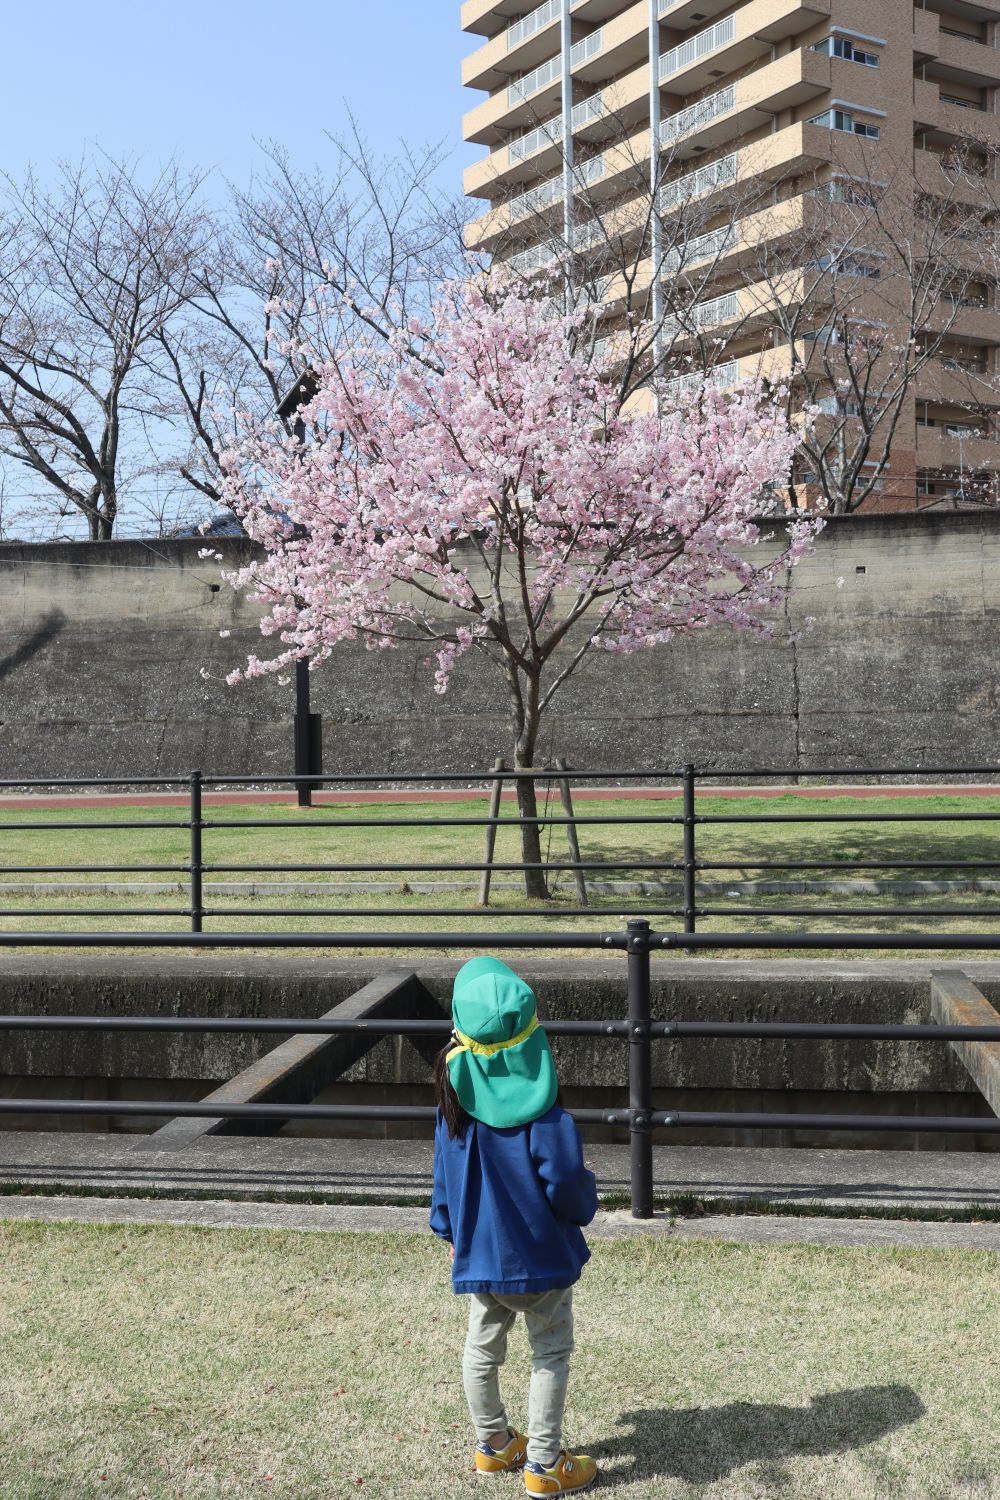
[[473, 484]]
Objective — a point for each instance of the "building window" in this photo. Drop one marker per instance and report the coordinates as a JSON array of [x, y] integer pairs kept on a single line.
[[842, 46], [842, 119], [845, 264]]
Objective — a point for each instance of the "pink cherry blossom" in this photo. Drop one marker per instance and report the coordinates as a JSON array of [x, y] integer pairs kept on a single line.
[[475, 485]]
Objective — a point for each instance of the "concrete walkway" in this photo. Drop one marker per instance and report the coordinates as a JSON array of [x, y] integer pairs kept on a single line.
[[741, 1228], [399, 1172]]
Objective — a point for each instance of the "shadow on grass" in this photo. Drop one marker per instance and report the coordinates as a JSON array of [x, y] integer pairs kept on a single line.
[[704, 1444]]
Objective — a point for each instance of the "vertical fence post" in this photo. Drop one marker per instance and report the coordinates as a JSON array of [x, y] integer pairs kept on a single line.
[[640, 1070], [496, 790], [197, 908], [690, 865]]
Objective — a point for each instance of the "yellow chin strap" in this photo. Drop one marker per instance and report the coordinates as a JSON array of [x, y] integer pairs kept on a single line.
[[489, 1049]]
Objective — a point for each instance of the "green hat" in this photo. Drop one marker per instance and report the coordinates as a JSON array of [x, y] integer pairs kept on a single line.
[[500, 1067]]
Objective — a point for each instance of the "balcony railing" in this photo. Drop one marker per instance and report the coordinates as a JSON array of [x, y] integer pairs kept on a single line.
[[539, 78], [720, 378], [528, 25], [588, 110], [544, 194], [536, 257], [710, 314], [589, 47], [551, 133], [697, 46], [704, 180], [698, 115], [702, 247]]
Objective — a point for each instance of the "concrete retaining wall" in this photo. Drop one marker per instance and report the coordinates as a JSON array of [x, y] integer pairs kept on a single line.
[[884, 1077], [101, 651]]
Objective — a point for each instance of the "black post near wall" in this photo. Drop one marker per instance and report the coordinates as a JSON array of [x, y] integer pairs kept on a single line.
[[308, 736]]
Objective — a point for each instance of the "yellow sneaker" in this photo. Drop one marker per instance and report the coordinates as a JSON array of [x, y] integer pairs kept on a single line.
[[502, 1460], [571, 1471]]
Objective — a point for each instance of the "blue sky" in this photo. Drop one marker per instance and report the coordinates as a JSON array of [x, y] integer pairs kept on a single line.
[[202, 80]]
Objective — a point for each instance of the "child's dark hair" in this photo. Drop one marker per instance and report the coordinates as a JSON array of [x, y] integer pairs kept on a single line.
[[455, 1116]]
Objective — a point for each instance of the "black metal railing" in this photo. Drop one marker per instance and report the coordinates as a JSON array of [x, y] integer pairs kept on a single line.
[[688, 907], [637, 940]]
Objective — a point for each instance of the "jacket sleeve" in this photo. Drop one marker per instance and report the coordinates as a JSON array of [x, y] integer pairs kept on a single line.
[[557, 1152], [440, 1220]]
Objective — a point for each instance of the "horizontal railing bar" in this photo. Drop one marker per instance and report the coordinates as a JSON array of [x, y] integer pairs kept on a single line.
[[386, 778], [722, 1120], [772, 818], [330, 1026], [939, 941], [839, 772], [854, 864], [95, 870], [516, 867], [47, 781], [299, 1026], [212, 1109], [555, 819], [360, 912], [94, 911], [825, 1030], [848, 911], [76, 826], [416, 939]]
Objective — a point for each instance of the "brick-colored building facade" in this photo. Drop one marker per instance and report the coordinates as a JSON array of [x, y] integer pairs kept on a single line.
[[576, 91]]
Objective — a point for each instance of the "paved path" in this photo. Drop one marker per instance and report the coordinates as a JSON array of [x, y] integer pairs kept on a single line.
[[399, 1172], [60, 800], [746, 1229]]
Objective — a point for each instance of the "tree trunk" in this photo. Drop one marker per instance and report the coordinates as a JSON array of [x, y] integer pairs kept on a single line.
[[99, 526], [535, 885]]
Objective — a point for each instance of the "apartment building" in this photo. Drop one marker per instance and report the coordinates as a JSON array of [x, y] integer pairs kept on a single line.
[[735, 118]]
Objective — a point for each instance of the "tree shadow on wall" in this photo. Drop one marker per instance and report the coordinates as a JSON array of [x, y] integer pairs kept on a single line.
[[49, 627], [702, 1445]]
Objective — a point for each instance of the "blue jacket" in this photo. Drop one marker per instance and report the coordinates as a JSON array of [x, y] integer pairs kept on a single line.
[[512, 1202]]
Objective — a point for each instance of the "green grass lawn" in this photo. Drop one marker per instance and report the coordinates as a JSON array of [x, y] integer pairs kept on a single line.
[[163, 1363], [392, 852]]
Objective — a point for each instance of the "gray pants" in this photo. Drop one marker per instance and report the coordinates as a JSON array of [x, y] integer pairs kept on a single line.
[[548, 1317]]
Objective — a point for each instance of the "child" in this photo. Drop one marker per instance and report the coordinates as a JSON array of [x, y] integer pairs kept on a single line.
[[510, 1194]]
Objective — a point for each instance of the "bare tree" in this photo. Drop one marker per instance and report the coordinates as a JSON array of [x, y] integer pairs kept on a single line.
[[867, 297], [91, 270], [304, 263]]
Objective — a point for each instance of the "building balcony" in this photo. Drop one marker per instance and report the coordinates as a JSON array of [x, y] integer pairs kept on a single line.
[[686, 13], [941, 449], [926, 35], [746, 105], [964, 187], [970, 61], [736, 42], [976, 326], [522, 103], [940, 384], [519, 47], [487, 17], [612, 48], [941, 119]]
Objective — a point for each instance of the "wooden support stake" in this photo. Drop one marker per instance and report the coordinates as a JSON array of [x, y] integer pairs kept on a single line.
[[955, 1001], [571, 834], [491, 835]]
